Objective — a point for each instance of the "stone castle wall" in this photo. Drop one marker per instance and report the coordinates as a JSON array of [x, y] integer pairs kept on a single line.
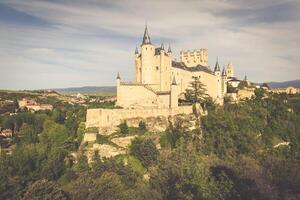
[[109, 119]]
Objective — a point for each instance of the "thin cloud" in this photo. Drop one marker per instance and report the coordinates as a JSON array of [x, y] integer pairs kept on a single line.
[[78, 43]]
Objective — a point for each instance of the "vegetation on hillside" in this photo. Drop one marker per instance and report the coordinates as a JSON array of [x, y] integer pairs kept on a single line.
[[249, 150]]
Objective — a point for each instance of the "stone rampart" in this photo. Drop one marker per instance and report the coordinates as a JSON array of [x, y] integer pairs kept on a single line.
[[109, 119]]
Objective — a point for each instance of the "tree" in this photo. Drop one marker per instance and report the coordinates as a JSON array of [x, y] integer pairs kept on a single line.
[[55, 164], [230, 88], [28, 134], [96, 164], [47, 190], [82, 163], [124, 128], [196, 93], [243, 84], [144, 150], [58, 116], [142, 126], [109, 187]]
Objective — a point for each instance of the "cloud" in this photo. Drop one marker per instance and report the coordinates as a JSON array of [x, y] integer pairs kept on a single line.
[[77, 43]]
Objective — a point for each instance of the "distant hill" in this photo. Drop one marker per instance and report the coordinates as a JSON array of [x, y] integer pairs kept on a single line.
[[294, 83], [88, 90]]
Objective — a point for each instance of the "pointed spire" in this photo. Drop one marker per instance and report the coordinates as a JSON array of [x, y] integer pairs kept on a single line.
[[224, 71], [118, 76], [169, 49], [146, 38], [174, 81], [136, 50], [217, 67], [162, 46]]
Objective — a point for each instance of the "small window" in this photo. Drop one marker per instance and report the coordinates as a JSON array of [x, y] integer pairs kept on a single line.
[[157, 68]]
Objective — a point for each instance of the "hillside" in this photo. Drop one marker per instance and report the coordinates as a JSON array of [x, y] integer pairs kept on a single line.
[[104, 90], [293, 83]]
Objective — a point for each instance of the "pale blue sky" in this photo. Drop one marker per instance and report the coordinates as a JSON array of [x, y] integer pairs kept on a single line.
[[67, 43]]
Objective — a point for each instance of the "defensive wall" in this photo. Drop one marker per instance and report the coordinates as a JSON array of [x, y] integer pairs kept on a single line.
[[109, 119]]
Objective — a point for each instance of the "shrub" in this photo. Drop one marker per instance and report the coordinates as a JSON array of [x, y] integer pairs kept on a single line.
[[124, 128]]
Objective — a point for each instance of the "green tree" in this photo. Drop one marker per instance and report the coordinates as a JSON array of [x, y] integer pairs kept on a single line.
[[196, 92], [28, 134], [109, 186], [58, 116], [243, 84], [82, 163], [124, 128], [142, 126], [145, 150], [47, 190]]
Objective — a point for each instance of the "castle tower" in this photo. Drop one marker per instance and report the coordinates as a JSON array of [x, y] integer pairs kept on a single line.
[[224, 81], [174, 94], [118, 89], [137, 66], [147, 55], [169, 51], [230, 70], [164, 70], [217, 71]]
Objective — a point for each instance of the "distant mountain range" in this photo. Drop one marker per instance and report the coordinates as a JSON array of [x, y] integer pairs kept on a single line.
[[111, 90], [294, 83], [88, 90]]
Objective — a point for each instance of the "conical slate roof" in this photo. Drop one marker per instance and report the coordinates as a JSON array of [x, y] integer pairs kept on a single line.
[[224, 71], [146, 38], [169, 49], [217, 67]]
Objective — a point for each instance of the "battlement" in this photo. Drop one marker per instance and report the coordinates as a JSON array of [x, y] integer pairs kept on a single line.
[[194, 57]]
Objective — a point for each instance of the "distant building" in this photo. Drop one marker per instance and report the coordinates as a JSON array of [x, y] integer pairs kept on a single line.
[[26, 102], [32, 105], [288, 90], [246, 93]]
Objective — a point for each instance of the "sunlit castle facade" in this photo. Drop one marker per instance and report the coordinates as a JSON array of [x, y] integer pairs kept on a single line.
[[159, 80]]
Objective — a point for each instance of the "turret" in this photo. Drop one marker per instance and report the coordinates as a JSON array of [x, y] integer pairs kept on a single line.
[[174, 94], [217, 69], [224, 74], [118, 88], [136, 52], [224, 81], [230, 70], [169, 51], [246, 80], [118, 79], [147, 57], [146, 38], [162, 48]]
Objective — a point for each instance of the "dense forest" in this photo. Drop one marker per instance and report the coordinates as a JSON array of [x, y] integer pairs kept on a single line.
[[249, 150]]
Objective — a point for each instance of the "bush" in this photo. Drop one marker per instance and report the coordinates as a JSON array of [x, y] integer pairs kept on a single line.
[[142, 126], [124, 128], [144, 150]]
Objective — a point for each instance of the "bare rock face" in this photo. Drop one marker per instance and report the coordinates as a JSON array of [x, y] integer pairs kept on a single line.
[[123, 142], [107, 151], [89, 137]]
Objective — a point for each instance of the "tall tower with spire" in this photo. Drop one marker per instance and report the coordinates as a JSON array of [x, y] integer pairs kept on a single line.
[[147, 54], [217, 70]]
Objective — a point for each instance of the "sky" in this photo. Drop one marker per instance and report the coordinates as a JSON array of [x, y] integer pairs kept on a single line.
[[73, 43]]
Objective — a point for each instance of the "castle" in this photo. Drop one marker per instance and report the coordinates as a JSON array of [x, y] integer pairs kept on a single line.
[[159, 81]]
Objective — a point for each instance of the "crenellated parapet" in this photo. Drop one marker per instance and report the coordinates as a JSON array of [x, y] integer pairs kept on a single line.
[[194, 57]]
